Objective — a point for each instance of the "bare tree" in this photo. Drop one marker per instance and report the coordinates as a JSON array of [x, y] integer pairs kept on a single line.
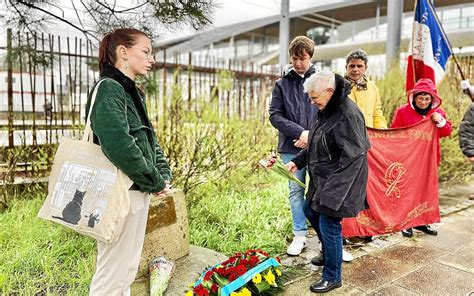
[[106, 15]]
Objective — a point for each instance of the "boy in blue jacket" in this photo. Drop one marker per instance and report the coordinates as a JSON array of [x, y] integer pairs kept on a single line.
[[291, 114]]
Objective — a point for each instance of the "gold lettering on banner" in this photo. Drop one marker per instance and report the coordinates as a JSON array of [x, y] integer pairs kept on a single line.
[[401, 134], [416, 212], [390, 226], [389, 134], [364, 220], [419, 135], [393, 175]]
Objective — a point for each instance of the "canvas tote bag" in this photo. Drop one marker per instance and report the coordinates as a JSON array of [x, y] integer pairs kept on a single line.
[[86, 192]]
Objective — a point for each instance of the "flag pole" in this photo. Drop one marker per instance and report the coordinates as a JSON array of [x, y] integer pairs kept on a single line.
[[452, 52], [413, 38]]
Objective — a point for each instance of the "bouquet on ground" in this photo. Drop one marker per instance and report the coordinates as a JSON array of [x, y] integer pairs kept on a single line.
[[277, 166], [160, 273], [244, 274]]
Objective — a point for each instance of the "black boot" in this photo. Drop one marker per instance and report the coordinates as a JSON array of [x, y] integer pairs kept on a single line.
[[318, 260], [427, 229], [407, 232], [324, 286]]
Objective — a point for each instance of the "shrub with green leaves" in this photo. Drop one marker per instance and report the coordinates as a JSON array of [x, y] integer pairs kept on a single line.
[[203, 145]]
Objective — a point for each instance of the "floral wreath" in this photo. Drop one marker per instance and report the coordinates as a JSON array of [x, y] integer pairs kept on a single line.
[[243, 274]]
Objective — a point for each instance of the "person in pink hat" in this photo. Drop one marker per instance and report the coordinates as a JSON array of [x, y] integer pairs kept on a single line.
[[423, 101]]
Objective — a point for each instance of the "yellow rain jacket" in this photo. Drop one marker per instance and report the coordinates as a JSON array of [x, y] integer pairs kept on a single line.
[[369, 103]]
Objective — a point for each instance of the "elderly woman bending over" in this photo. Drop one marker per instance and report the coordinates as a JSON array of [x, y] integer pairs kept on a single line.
[[336, 158]]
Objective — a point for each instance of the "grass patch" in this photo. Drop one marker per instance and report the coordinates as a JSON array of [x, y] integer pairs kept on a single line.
[[241, 216], [39, 257]]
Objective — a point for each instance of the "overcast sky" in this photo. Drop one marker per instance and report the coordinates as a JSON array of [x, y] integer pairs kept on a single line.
[[229, 12], [226, 12]]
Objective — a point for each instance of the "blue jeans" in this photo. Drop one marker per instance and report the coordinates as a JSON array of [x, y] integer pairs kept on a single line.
[[329, 232], [296, 198]]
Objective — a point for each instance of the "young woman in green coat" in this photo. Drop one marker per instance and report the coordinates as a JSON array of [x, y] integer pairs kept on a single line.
[[126, 136]]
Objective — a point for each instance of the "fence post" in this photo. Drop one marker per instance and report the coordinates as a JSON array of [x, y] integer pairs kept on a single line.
[[190, 72], [10, 88]]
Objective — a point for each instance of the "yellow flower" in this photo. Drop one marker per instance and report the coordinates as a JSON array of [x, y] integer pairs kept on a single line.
[[189, 293], [245, 292], [234, 294], [257, 279], [278, 272], [270, 278]]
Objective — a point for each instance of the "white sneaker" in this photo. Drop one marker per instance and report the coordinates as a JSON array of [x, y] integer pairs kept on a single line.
[[297, 245], [346, 256]]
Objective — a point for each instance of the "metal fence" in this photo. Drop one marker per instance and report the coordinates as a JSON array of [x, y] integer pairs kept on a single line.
[[46, 79]]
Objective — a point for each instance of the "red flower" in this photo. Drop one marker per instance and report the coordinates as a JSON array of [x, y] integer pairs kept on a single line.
[[244, 261], [198, 288], [208, 275], [221, 271], [203, 292], [253, 261], [278, 259], [233, 277], [214, 288], [229, 270], [240, 269]]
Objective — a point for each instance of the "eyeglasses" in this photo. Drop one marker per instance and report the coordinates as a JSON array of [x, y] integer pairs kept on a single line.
[[314, 98], [423, 99]]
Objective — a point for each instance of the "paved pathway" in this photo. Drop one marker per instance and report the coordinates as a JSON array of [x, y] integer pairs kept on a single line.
[[422, 265]]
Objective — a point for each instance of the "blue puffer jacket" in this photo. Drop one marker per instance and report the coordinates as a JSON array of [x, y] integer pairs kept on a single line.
[[290, 110]]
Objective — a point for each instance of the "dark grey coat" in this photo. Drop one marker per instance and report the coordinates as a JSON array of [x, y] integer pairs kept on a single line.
[[337, 157], [466, 132]]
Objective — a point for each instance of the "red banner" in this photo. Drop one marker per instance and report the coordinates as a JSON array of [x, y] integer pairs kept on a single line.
[[402, 190]]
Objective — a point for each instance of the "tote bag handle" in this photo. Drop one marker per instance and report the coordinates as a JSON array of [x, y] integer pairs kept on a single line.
[[87, 136]]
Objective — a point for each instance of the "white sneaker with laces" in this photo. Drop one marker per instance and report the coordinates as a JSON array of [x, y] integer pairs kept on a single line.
[[346, 256], [297, 245]]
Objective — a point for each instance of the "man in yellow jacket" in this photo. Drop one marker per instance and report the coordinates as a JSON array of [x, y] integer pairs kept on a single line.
[[364, 92]]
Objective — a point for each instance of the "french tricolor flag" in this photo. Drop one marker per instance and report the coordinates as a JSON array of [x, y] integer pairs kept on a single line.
[[429, 48]]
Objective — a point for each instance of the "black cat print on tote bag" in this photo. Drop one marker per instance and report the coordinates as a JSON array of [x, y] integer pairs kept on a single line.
[[72, 211]]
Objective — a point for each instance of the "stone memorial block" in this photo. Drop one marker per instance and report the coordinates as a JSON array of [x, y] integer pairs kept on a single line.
[[167, 232]]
